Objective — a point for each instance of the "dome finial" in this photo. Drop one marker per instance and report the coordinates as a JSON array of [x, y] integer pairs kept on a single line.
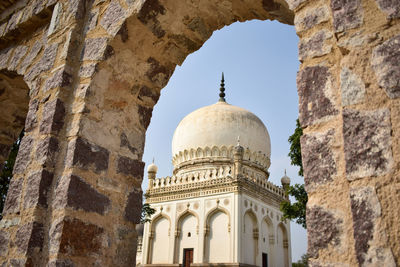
[[222, 89], [238, 140]]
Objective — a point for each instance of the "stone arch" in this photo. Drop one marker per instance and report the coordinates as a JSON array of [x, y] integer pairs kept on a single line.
[[214, 210], [217, 232], [165, 32], [282, 247], [250, 234], [267, 241], [160, 230], [182, 216], [186, 233]]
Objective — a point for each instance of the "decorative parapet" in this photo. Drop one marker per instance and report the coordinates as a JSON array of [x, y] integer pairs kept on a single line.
[[219, 153], [173, 188]]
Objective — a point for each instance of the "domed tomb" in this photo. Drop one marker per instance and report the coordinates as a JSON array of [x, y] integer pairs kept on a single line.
[[212, 131]]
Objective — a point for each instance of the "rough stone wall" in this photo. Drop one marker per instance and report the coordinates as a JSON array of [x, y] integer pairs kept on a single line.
[[95, 69]]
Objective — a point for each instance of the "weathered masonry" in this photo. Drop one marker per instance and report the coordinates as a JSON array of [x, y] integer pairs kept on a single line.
[[82, 77]]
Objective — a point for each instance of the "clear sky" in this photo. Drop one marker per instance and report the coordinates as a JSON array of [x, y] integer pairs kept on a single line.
[[260, 62]]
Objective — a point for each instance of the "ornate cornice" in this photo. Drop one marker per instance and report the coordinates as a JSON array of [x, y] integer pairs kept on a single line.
[[223, 153], [268, 193]]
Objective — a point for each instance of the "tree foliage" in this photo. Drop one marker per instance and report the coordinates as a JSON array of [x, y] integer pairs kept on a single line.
[[303, 262], [147, 211], [297, 210], [6, 173], [295, 149]]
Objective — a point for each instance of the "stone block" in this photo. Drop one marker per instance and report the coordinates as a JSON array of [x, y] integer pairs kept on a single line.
[[19, 53], [356, 39], [4, 57], [76, 9], [32, 54], [94, 48], [46, 150], [148, 16], [148, 95], [72, 191], [77, 238], [323, 229], [46, 62], [366, 210], [367, 142], [133, 206], [318, 158], [390, 7], [198, 25], [315, 92], [31, 117], [385, 62], [92, 21], [61, 263], [317, 45], [86, 71], [346, 14], [125, 143], [145, 114], [28, 237], [307, 18], [352, 87], [157, 73], [55, 19], [4, 239], [112, 18], [24, 155], [293, 4], [13, 21], [37, 189], [130, 167], [83, 154], [52, 117], [60, 78]]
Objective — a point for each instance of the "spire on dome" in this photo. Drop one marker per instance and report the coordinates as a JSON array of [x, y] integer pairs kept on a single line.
[[222, 89]]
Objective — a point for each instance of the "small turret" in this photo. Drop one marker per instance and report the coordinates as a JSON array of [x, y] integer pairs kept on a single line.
[[151, 173], [285, 180], [238, 157]]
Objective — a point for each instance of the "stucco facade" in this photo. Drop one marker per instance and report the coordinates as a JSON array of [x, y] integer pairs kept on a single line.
[[218, 203]]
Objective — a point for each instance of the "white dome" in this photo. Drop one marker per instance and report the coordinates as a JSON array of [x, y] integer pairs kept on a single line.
[[220, 125], [152, 168]]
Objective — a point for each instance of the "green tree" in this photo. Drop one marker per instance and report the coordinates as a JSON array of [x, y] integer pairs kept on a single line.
[[147, 211], [296, 210], [6, 173], [303, 262]]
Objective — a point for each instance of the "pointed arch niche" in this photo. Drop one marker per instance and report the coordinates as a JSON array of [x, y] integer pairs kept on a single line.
[[218, 236], [186, 235], [159, 239], [250, 238], [282, 246]]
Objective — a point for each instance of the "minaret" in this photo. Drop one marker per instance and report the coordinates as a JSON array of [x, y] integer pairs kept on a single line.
[[285, 180], [151, 173], [237, 158]]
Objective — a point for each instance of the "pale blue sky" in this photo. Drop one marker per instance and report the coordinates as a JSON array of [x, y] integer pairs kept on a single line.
[[259, 59]]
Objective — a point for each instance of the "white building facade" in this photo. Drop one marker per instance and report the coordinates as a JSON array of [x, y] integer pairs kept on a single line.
[[218, 207]]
